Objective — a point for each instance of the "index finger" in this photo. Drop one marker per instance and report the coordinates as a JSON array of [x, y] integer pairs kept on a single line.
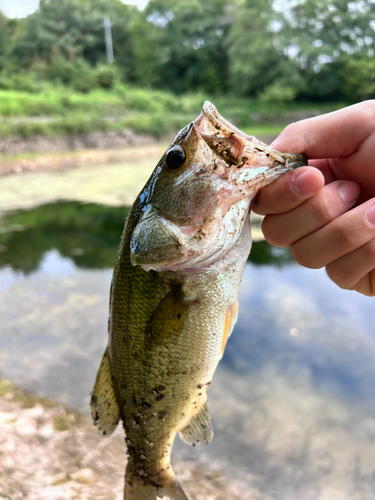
[[289, 191], [333, 135]]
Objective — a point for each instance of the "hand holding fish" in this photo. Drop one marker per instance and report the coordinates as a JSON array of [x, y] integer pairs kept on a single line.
[[326, 212]]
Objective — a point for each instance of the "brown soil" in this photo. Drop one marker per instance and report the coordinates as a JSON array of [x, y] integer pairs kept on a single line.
[[93, 140], [53, 161], [48, 452]]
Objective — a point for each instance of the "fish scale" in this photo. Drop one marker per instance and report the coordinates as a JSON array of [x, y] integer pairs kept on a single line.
[[174, 295]]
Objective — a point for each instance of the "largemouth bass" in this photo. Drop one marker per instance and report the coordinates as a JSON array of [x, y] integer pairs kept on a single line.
[[174, 294]]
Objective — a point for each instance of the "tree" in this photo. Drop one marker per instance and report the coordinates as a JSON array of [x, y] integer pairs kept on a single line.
[[3, 25], [252, 55], [187, 42], [321, 34], [358, 77], [75, 27]]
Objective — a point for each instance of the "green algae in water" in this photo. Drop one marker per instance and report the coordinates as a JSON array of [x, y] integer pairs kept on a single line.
[[88, 234]]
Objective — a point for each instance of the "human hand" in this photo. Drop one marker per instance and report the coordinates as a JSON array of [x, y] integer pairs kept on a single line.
[[326, 212]]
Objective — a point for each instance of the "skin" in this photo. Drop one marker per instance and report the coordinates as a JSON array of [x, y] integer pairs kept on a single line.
[[326, 212]]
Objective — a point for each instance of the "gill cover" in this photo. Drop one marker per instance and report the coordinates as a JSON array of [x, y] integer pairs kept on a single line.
[[154, 240]]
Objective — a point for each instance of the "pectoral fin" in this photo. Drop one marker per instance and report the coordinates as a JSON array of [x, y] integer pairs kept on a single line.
[[199, 430], [229, 322], [169, 317], [104, 407]]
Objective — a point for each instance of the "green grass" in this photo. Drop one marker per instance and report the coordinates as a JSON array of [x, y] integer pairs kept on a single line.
[[259, 130], [58, 110]]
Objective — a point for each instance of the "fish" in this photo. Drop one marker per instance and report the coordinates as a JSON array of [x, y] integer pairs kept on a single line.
[[174, 295]]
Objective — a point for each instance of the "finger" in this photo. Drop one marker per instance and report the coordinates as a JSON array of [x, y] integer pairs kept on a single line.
[[366, 285], [324, 165], [332, 201], [343, 235], [288, 191], [331, 135], [356, 270]]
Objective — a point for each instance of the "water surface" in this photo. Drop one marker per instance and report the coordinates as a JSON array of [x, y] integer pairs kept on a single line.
[[292, 401]]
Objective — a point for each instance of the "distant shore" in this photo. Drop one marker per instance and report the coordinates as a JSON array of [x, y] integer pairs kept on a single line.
[[39, 153], [54, 158], [55, 153]]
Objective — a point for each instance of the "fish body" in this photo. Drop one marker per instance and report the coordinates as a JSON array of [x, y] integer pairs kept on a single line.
[[174, 294]]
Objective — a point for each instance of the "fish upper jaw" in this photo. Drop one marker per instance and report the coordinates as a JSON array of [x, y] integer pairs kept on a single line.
[[210, 121], [252, 164]]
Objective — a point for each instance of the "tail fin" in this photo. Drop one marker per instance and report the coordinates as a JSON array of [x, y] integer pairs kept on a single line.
[[136, 489]]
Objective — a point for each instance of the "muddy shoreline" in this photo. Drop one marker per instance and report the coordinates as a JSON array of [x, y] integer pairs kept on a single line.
[[48, 451], [92, 140], [56, 153], [40, 153]]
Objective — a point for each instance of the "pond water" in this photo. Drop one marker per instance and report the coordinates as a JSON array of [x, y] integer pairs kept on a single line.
[[293, 399]]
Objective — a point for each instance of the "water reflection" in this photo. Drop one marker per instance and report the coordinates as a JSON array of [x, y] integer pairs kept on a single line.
[[293, 399], [88, 234]]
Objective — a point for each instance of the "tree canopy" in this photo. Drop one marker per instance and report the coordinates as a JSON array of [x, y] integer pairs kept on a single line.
[[274, 49]]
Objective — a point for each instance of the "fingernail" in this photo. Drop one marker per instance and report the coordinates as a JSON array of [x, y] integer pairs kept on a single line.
[[370, 215], [305, 183], [349, 191]]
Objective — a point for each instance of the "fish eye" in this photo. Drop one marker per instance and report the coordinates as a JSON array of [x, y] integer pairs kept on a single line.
[[176, 157]]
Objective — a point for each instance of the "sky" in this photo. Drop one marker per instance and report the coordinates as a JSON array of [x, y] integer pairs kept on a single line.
[[22, 8]]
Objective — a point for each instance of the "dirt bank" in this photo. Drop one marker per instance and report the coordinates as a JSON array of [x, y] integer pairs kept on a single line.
[[31, 162], [51, 160], [93, 140], [48, 452]]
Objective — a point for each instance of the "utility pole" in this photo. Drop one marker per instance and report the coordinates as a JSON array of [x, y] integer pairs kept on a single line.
[[108, 39]]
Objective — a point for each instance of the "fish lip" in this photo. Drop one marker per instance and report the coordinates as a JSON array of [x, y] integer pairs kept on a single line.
[[210, 113], [296, 161]]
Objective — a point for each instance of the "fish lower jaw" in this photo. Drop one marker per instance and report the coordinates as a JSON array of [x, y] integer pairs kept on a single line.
[[194, 263], [201, 251]]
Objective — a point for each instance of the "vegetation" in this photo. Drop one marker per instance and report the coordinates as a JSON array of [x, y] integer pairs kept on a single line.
[[60, 110], [249, 56], [88, 234], [247, 47]]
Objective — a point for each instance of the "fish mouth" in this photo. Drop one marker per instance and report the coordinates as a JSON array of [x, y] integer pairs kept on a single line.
[[211, 123]]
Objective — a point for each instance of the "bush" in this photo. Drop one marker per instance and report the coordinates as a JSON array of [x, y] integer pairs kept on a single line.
[[358, 77], [106, 76], [27, 82], [278, 92]]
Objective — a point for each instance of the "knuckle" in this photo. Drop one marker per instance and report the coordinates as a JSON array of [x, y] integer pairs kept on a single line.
[[303, 255], [338, 275], [369, 249], [322, 210], [344, 237], [371, 292], [271, 232]]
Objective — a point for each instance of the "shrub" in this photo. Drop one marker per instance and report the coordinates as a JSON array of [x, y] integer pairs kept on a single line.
[[106, 75], [358, 77], [278, 92]]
